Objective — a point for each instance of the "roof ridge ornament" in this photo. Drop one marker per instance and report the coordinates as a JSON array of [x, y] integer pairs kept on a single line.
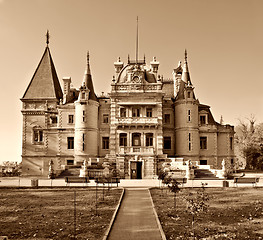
[[47, 37]]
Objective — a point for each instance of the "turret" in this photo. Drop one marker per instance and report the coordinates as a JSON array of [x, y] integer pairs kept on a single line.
[[186, 120], [86, 126], [154, 66], [118, 66]]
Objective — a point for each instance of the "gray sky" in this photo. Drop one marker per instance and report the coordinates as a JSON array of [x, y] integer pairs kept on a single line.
[[223, 38]]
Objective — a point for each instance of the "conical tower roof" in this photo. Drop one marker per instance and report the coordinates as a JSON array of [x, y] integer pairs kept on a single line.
[[44, 83], [87, 81], [185, 74]]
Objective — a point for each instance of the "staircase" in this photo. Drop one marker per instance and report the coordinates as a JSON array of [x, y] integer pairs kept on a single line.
[[204, 174], [70, 171]]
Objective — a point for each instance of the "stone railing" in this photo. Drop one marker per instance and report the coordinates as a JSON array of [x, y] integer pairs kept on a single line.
[[140, 120], [135, 150]]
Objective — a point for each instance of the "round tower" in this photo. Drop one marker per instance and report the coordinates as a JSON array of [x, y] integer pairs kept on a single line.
[[86, 115], [187, 143]]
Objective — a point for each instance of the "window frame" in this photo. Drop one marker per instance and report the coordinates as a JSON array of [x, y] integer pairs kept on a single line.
[[105, 118], [71, 119], [105, 143], [166, 119], [203, 142], [123, 140], [70, 143], [167, 140], [149, 112], [149, 139], [38, 136]]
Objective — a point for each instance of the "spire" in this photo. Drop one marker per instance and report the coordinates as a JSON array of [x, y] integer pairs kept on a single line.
[[87, 80], [88, 66], [185, 74]]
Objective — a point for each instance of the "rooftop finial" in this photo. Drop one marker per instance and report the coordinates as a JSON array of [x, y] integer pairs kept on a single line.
[[185, 55], [47, 37], [88, 57], [128, 58]]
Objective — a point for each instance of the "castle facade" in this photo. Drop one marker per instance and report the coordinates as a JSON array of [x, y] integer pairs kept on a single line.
[[144, 121]]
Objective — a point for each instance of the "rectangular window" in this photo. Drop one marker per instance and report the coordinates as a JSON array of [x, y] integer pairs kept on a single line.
[[136, 112], [53, 119], [83, 142], [105, 118], [167, 118], [70, 119], [167, 143], [188, 94], [123, 139], [231, 143], [84, 116], [202, 119], [70, 162], [123, 112], [189, 115], [149, 112], [149, 139], [38, 136], [203, 162], [189, 142], [70, 142], [105, 142], [203, 142]]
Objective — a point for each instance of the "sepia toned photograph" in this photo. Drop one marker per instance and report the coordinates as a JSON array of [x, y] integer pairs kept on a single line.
[[131, 120]]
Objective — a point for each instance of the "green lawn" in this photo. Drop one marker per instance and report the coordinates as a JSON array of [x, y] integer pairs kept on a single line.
[[233, 213], [49, 213]]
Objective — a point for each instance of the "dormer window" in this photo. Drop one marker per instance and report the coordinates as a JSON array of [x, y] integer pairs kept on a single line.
[[189, 94], [203, 119]]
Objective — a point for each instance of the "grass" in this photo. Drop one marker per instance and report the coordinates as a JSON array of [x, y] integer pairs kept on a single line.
[[47, 213], [233, 213]]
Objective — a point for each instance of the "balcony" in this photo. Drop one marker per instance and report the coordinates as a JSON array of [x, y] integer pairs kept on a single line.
[[136, 150], [137, 120]]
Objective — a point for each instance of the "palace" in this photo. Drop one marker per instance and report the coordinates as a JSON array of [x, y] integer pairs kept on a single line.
[[143, 122]]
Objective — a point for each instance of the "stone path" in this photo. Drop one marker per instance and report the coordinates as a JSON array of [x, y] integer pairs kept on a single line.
[[135, 219]]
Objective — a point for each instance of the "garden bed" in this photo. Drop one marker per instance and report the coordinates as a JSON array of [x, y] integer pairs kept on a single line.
[[46, 213], [233, 213]]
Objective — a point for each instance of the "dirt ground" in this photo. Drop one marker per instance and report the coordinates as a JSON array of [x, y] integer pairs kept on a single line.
[[47, 213], [232, 213]]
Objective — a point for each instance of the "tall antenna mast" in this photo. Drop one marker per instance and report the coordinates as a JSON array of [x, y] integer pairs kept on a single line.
[[137, 36]]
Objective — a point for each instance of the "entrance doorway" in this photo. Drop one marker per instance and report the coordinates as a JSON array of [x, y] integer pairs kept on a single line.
[[136, 170]]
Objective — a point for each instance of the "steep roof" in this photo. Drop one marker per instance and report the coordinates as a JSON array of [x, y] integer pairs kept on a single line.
[[87, 81], [186, 74], [44, 83]]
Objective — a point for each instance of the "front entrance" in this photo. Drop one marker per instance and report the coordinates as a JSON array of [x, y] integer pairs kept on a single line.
[[136, 170]]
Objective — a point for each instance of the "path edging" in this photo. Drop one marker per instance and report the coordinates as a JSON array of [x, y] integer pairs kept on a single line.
[[157, 219], [106, 234]]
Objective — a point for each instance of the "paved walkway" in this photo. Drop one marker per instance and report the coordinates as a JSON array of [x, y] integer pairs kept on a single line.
[[135, 219]]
